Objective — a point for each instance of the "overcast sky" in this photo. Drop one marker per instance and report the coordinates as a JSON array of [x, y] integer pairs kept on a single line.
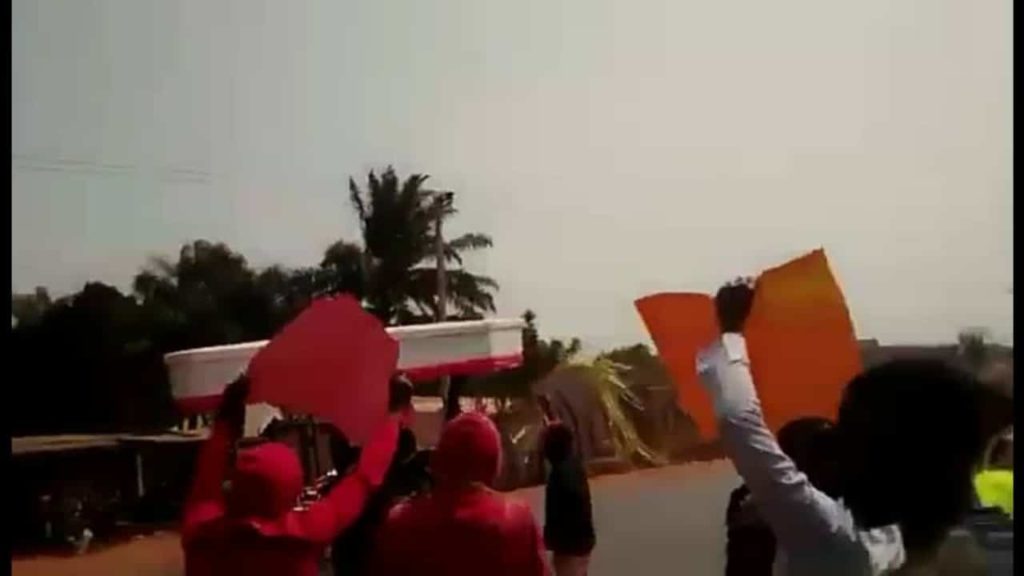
[[612, 149]]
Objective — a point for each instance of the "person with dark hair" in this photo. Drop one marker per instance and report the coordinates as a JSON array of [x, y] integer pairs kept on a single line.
[[452, 407], [406, 474], [907, 437], [568, 518], [811, 443], [749, 541], [352, 548], [253, 527], [462, 527], [400, 392], [344, 457], [343, 454], [750, 544]]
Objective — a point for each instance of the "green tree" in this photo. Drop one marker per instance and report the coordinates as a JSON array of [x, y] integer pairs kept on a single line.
[[96, 356], [90, 365], [973, 348], [393, 271], [29, 308], [210, 296], [99, 352], [540, 357], [285, 292]]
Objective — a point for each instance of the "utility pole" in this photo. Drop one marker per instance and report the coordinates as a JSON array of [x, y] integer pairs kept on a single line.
[[444, 199]]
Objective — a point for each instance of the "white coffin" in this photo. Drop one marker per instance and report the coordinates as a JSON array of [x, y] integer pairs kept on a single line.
[[427, 351]]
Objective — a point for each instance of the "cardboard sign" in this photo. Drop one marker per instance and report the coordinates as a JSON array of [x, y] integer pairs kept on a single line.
[[333, 361], [801, 342]]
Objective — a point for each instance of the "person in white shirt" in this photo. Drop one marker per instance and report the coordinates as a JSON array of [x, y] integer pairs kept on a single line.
[[907, 437], [750, 545]]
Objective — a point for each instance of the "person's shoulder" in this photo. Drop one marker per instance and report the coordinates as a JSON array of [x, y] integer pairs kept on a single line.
[[517, 512], [515, 504], [407, 515], [505, 505]]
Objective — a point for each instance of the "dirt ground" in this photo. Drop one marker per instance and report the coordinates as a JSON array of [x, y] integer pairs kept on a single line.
[[155, 555], [671, 518]]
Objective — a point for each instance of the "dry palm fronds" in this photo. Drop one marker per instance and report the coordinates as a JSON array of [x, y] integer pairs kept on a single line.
[[612, 392]]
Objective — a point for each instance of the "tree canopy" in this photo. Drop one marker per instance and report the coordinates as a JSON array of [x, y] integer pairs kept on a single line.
[[394, 269], [93, 360]]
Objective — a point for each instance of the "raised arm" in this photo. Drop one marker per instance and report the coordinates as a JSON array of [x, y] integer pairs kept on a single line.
[[206, 497], [330, 516], [799, 514]]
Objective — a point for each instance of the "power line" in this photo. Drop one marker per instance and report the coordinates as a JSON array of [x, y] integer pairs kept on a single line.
[[73, 165]]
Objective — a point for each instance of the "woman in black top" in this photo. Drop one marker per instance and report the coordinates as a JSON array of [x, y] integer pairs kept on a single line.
[[352, 548], [568, 519]]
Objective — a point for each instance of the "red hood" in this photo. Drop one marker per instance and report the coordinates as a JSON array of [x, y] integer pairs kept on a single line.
[[266, 482], [469, 451]]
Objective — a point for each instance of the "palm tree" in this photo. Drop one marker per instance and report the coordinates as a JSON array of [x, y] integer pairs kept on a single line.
[[394, 271]]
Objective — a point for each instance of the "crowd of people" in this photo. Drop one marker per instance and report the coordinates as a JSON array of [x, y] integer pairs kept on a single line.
[[878, 491]]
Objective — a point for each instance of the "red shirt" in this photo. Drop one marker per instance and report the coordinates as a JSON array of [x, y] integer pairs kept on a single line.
[[462, 528], [254, 530]]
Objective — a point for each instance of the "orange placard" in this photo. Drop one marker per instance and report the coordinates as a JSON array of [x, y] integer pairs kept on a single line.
[[680, 325], [802, 346]]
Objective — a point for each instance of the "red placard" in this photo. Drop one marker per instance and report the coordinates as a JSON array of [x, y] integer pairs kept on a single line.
[[334, 362]]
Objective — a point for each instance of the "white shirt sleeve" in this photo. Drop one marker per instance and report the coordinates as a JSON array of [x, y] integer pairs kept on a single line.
[[799, 514]]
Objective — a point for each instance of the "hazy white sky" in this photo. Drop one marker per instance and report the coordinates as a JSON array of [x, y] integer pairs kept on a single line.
[[611, 148]]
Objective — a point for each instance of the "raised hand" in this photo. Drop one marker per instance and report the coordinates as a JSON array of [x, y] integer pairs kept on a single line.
[[732, 304], [376, 455]]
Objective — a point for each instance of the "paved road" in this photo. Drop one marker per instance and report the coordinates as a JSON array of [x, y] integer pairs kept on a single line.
[[659, 522], [653, 523]]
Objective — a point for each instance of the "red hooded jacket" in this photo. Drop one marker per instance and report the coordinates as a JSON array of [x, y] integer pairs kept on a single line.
[[253, 528], [462, 527]]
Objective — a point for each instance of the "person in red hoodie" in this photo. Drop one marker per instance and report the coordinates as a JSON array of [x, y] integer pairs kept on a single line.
[[462, 527], [242, 519]]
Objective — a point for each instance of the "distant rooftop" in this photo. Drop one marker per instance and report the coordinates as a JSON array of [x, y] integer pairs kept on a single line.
[[874, 353], [26, 445]]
